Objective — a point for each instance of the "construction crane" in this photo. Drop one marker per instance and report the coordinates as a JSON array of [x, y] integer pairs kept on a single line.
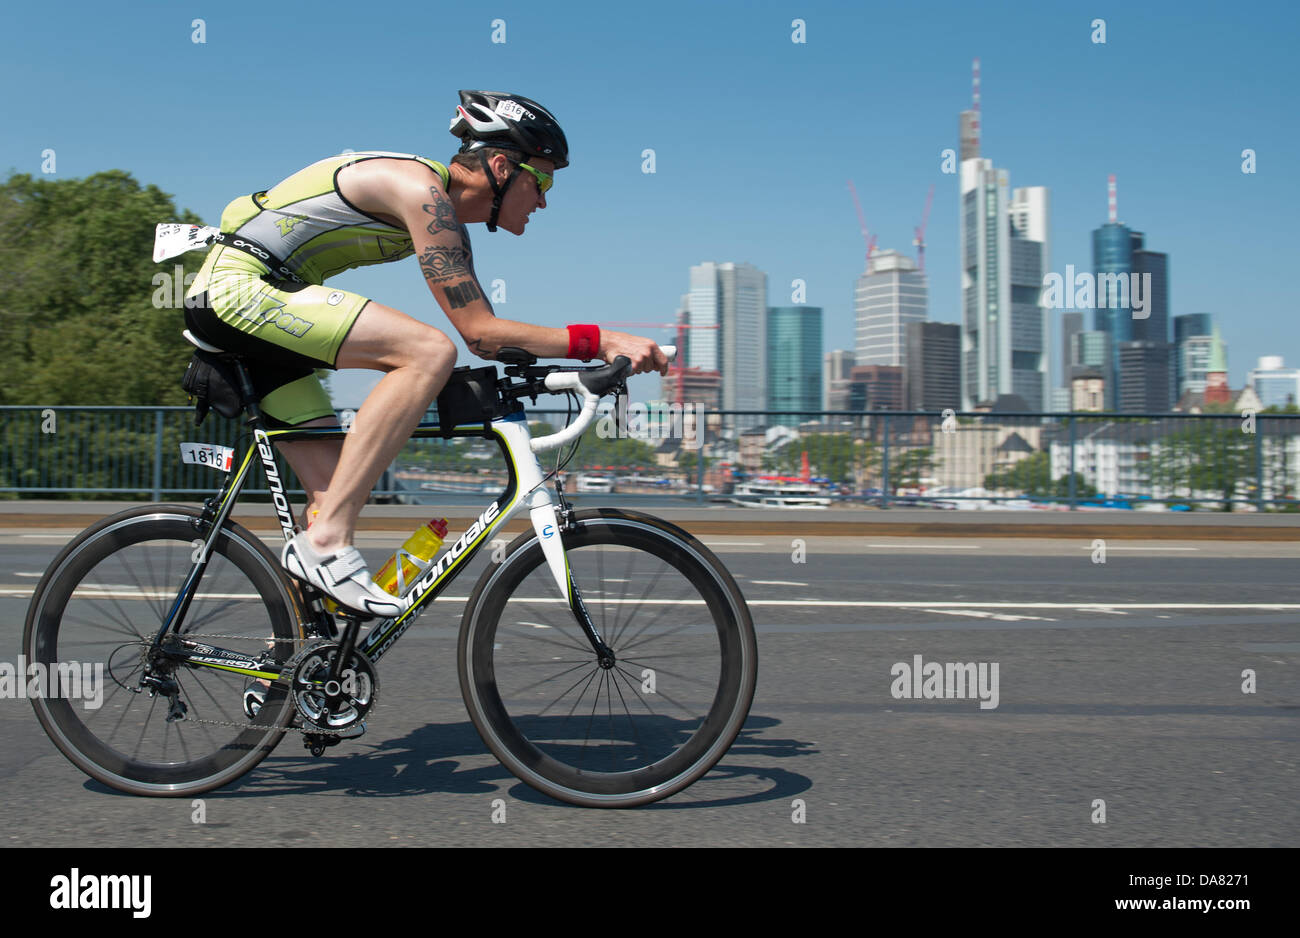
[[870, 239], [682, 368], [919, 240]]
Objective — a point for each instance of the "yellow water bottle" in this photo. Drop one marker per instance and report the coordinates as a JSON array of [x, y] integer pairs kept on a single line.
[[412, 558]]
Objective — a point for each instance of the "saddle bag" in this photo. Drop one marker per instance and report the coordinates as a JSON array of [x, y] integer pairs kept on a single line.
[[212, 382]]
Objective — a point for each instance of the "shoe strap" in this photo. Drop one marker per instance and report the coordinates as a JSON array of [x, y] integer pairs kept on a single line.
[[344, 564]]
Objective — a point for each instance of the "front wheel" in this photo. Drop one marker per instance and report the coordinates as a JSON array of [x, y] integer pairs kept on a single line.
[[92, 625], [677, 693]]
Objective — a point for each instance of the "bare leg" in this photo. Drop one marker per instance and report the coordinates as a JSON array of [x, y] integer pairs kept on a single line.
[[314, 462], [418, 360]]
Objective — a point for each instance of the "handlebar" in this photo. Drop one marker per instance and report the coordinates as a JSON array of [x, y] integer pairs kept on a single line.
[[593, 384]]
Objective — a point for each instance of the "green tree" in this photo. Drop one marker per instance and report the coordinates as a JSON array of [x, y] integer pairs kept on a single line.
[[835, 456], [77, 317], [911, 467], [1033, 476], [595, 450], [1212, 456]]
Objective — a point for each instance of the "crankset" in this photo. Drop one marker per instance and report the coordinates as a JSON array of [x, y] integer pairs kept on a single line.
[[331, 703]]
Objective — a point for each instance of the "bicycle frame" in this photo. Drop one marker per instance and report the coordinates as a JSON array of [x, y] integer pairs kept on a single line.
[[525, 485]]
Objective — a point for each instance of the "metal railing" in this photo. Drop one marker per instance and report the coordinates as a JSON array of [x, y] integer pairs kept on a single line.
[[872, 458]]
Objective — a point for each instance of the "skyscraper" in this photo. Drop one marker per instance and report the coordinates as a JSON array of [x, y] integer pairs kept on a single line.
[[1216, 371], [1132, 306], [1005, 255], [1144, 370], [1191, 352], [1190, 324], [794, 351], [1005, 252], [1193, 363], [1090, 354], [933, 366], [835, 395], [734, 298], [876, 387], [1071, 323], [1276, 385], [889, 295]]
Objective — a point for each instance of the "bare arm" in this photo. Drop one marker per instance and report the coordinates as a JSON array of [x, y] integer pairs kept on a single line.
[[412, 193]]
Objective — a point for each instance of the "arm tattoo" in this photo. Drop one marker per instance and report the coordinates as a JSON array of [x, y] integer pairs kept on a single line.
[[444, 216], [446, 263], [462, 294], [476, 347]]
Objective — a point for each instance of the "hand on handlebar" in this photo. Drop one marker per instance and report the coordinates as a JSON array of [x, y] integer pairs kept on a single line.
[[644, 354]]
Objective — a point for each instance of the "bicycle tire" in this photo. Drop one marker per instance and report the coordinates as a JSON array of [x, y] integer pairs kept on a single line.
[[94, 607], [651, 754]]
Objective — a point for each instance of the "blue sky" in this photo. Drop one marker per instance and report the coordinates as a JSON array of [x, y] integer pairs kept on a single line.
[[754, 135]]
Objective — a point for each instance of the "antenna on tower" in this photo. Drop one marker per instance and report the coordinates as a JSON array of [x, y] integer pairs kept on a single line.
[[919, 240], [975, 97], [1112, 205]]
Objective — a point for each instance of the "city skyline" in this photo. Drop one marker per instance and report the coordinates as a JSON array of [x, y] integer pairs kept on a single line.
[[743, 171]]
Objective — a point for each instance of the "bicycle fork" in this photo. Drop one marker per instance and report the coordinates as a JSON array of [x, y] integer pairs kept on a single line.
[[541, 510]]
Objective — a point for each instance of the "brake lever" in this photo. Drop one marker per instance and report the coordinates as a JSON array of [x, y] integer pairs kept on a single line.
[[620, 409]]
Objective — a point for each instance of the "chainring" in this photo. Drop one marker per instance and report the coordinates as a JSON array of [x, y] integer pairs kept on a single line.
[[332, 705]]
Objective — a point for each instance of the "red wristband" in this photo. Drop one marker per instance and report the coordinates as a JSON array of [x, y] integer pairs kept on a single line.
[[584, 342]]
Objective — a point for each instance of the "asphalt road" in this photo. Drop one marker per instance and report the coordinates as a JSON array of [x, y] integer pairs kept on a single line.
[[1118, 682]]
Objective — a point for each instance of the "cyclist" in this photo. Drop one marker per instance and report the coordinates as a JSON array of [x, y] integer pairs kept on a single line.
[[260, 293]]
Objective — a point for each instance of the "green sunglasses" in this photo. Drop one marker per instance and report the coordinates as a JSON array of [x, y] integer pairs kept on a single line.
[[544, 180]]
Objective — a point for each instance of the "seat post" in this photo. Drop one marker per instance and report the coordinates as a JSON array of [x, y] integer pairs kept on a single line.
[[247, 392]]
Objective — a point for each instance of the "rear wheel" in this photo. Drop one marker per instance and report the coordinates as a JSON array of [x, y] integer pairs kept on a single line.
[[675, 698], [93, 620]]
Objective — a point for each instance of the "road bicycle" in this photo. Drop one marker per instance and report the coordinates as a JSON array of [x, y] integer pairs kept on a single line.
[[607, 657]]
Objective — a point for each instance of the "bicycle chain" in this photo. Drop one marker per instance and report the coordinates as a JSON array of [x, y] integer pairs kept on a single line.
[[253, 726]]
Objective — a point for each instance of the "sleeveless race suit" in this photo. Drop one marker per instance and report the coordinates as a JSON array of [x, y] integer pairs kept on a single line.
[[291, 328]]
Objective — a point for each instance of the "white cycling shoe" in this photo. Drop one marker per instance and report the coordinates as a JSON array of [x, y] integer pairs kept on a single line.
[[343, 576]]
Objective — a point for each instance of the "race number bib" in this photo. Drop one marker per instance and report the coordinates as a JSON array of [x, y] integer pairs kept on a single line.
[[208, 454], [173, 239]]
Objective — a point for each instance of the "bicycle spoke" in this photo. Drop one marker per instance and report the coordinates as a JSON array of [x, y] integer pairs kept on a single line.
[[628, 647], [553, 677], [534, 637], [122, 628], [102, 606], [565, 693]]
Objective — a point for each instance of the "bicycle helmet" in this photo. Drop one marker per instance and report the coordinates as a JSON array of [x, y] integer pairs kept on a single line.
[[510, 122]]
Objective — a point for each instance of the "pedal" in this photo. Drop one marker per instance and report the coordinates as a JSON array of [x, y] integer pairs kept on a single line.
[[317, 743]]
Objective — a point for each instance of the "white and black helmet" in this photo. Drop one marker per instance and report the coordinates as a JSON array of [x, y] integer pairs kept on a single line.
[[511, 122]]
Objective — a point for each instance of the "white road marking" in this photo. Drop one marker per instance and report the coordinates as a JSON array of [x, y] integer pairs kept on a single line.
[[926, 546], [1111, 547], [1112, 608], [978, 614], [776, 583]]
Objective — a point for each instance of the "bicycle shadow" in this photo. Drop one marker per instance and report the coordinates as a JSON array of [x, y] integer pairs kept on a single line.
[[451, 758]]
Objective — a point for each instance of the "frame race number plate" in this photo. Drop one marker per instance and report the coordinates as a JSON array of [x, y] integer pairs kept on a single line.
[[171, 240], [208, 454]]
